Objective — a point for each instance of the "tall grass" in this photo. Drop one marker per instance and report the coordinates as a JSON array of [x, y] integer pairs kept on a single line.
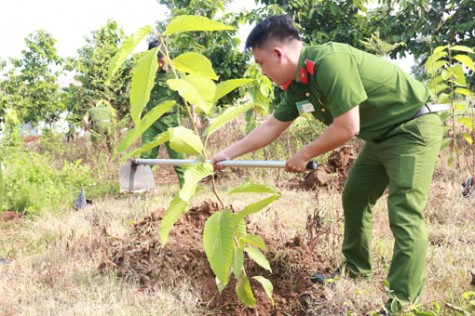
[[54, 256]]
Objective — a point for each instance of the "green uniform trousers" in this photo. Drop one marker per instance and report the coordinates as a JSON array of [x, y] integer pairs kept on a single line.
[[160, 126], [403, 161]]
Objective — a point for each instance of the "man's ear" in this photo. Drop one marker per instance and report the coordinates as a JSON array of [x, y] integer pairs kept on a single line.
[[279, 53]]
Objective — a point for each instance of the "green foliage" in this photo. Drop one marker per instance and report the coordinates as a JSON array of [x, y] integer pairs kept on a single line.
[[32, 185], [29, 84], [448, 84], [225, 238], [97, 83]]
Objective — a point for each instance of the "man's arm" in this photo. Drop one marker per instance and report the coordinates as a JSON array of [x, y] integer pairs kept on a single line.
[[85, 122], [343, 128], [261, 136]]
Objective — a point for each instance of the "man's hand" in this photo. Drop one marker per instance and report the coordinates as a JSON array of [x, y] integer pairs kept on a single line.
[[220, 156], [297, 163]]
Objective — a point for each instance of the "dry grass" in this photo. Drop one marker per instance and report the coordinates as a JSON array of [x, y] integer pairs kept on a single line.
[[54, 258]]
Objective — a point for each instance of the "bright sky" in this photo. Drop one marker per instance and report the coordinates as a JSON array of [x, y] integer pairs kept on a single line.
[[69, 22]]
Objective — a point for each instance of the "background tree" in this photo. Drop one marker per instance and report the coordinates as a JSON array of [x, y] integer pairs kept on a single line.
[[91, 69], [29, 84]]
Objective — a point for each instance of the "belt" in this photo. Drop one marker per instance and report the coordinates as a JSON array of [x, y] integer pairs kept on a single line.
[[430, 108], [425, 109]]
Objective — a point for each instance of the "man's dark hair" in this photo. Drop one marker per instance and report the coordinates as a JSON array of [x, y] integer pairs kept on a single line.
[[278, 27], [156, 43]]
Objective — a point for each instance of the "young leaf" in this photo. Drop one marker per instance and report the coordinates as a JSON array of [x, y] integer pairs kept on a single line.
[[184, 140], [157, 141], [253, 240], [457, 70], [226, 116], [439, 49], [150, 118], [176, 208], [462, 49], [433, 67], [238, 262], [127, 49], [244, 292], [191, 23], [192, 62], [143, 78], [219, 244], [466, 61], [252, 188], [267, 285], [463, 91], [258, 257], [229, 85], [256, 207], [193, 175], [240, 229]]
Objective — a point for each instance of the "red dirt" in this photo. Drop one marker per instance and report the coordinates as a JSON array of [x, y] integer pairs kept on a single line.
[[7, 216], [332, 174], [141, 258]]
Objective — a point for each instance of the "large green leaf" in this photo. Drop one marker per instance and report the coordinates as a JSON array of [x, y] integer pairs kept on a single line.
[[244, 292], [192, 62], [229, 85], [267, 285], [466, 61], [193, 175], [206, 88], [143, 78], [252, 188], [219, 244], [176, 208], [258, 257], [150, 118], [157, 141], [256, 207], [127, 49], [439, 49], [195, 91], [191, 23], [184, 140], [435, 57], [240, 229], [226, 116]]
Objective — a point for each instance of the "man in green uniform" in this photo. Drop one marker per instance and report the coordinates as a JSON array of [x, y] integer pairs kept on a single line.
[[99, 121], [160, 93], [355, 94]]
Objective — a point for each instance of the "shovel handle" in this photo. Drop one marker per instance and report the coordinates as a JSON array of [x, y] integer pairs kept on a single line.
[[311, 165]]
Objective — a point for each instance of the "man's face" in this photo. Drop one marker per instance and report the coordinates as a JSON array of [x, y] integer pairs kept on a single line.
[[161, 63], [272, 65]]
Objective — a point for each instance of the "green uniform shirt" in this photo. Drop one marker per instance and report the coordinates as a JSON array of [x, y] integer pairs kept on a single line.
[[161, 92], [101, 119], [335, 77]]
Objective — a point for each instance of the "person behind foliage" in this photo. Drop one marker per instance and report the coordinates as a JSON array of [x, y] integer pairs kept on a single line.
[[99, 120], [357, 94], [160, 93]]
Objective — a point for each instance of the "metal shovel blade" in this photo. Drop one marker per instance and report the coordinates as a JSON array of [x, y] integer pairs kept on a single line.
[[136, 178]]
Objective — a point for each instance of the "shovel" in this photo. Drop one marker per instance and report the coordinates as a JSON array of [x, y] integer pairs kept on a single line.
[[136, 176]]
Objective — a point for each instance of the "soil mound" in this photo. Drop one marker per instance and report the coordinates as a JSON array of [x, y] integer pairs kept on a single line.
[[141, 258]]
